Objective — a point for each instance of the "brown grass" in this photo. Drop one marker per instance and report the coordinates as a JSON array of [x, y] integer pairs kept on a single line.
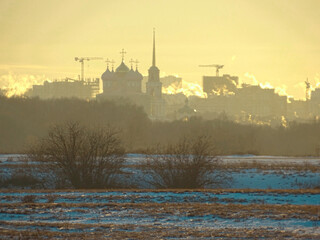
[[215, 191], [303, 167], [62, 229], [145, 232], [229, 211]]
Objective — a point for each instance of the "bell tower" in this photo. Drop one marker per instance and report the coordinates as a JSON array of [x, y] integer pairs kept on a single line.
[[154, 86]]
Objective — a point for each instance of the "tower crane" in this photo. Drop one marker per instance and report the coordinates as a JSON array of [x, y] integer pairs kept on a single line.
[[82, 59], [308, 86], [218, 67]]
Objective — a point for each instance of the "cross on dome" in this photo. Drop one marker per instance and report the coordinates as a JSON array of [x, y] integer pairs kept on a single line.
[[132, 61], [136, 62], [112, 64], [122, 54], [107, 61]]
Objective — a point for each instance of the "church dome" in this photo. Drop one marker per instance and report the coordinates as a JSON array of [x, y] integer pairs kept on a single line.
[[131, 75], [186, 109], [139, 75], [122, 68], [107, 75]]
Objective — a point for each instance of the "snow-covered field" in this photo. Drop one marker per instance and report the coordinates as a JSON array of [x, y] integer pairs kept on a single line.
[[136, 158], [244, 197], [131, 213], [265, 198], [248, 171]]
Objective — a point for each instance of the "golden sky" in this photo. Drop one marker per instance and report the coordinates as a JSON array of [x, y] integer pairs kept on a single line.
[[273, 41]]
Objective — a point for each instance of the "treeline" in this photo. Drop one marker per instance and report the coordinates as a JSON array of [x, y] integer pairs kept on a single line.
[[23, 121]]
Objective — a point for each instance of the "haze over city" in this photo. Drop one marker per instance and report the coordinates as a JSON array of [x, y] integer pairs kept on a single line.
[[159, 119], [275, 43]]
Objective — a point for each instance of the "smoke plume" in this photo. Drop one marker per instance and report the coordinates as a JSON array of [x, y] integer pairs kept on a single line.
[[188, 89], [17, 84]]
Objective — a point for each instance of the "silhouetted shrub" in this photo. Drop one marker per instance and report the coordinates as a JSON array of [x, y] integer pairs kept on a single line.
[[19, 179], [22, 181], [87, 158], [187, 164]]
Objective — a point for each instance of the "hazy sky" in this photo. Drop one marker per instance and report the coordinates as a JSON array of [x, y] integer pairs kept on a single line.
[[276, 41]]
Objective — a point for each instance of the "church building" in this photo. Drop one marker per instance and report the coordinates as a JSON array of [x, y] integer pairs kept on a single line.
[[125, 83], [123, 80]]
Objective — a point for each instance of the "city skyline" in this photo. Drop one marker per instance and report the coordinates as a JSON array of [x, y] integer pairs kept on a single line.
[[274, 43]]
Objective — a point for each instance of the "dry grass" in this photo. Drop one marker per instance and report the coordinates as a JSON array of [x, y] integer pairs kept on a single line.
[[303, 167], [227, 211], [145, 232], [231, 166], [29, 198], [62, 227], [215, 191]]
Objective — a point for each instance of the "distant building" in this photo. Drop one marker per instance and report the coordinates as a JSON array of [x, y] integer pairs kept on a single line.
[[249, 101], [297, 109], [171, 81], [174, 102], [186, 112], [2, 92], [216, 85], [314, 103], [167, 81], [259, 101], [122, 81], [69, 88], [213, 104], [126, 83], [154, 88], [304, 111]]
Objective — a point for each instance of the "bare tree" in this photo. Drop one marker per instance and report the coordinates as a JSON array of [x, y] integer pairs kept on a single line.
[[87, 158], [187, 164]]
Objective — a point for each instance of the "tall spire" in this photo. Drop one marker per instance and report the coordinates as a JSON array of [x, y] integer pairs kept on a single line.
[[154, 49]]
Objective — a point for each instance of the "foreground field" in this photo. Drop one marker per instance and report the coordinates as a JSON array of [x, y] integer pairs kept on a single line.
[[164, 214], [262, 198], [246, 171]]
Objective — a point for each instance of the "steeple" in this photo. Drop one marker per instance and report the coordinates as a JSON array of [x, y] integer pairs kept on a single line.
[[154, 86], [153, 70], [154, 49]]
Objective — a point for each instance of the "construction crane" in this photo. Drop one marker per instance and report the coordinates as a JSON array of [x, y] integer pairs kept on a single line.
[[218, 67], [308, 86], [82, 59]]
